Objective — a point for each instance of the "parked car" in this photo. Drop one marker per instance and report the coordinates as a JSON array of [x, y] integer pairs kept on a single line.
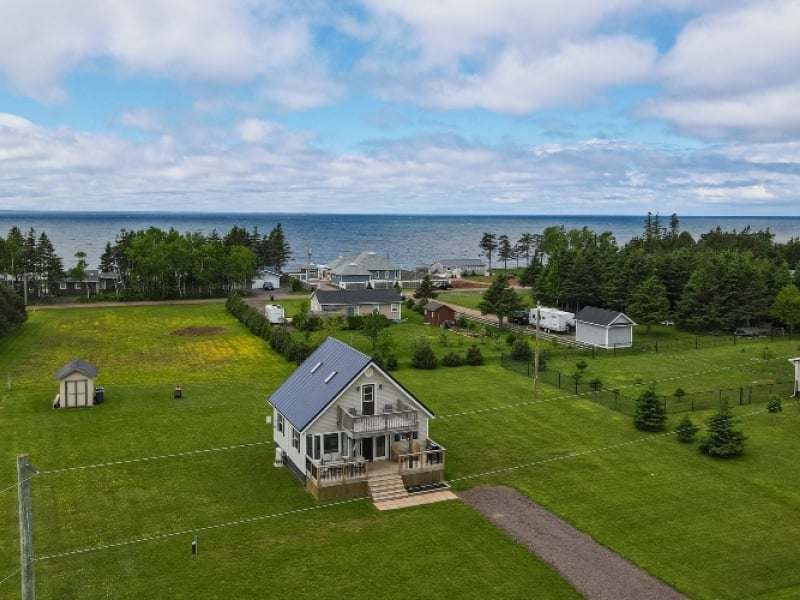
[[442, 285], [520, 317], [668, 323], [268, 285]]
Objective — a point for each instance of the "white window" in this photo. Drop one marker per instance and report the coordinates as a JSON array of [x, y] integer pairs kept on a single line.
[[395, 308], [280, 423], [295, 439], [62, 285], [368, 399], [380, 446], [77, 285], [376, 308]]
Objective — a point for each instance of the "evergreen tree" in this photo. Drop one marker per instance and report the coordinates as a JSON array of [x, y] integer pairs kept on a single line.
[[505, 251], [425, 291], [686, 430], [278, 251], [721, 439], [649, 302], [488, 244], [650, 414], [499, 299]]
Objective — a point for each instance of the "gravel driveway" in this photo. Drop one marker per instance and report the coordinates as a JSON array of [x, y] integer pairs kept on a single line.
[[592, 569]]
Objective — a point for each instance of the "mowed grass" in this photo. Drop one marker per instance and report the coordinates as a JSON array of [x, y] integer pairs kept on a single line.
[[124, 486], [713, 529]]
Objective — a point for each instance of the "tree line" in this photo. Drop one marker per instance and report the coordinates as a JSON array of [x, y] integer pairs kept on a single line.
[[719, 282], [152, 263]]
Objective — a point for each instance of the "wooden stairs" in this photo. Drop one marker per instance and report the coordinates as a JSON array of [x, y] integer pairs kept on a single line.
[[386, 486]]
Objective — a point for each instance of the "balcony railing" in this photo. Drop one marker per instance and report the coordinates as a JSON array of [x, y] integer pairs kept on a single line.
[[390, 421]]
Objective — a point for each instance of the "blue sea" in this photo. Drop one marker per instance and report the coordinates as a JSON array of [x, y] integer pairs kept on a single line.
[[408, 240]]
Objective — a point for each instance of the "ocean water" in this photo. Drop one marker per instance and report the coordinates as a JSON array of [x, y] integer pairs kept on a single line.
[[408, 240]]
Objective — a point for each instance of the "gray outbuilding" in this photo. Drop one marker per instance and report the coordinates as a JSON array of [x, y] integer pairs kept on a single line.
[[604, 328]]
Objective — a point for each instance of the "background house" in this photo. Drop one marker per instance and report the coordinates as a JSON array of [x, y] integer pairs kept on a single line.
[[388, 302], [76, 384], [604, 328], [341, 423], [439, 314], [358, 271], [458, 267]]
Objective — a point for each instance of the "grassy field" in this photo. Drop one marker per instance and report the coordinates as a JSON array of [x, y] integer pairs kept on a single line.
[[713, 529]]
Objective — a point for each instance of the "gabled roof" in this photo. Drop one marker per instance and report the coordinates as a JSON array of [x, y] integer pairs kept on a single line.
[[433, 306], [362, 263], [77, 365], [353, 297], [602, 317], [318, 381]]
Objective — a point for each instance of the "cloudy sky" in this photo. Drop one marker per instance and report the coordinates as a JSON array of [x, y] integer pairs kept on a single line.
[[401, 106]]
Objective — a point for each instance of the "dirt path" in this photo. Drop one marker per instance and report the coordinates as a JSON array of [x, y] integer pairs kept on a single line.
[[592, 569]]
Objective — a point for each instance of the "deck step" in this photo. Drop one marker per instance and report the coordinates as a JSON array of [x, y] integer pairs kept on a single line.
[[387, 487]]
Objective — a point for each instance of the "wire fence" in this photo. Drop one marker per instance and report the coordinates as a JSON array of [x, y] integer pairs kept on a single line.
[[615, 399]]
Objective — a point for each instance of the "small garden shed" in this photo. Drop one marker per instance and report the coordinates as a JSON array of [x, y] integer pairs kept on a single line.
[[76, 384], [604, 328], [439, 314]]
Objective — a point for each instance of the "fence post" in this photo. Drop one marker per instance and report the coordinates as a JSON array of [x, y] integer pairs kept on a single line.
[[695, 342], [657, 349]]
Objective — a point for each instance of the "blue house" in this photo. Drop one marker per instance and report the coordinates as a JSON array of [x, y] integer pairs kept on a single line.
[[347, 428]]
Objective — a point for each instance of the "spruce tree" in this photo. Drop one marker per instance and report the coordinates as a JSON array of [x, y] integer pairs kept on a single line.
[[722, 439], [650, 414], [686, 430]]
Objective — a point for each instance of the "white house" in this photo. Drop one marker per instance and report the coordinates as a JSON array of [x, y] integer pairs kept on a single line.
[[340, 421], [604, 328], [458, 267], [358, 271]]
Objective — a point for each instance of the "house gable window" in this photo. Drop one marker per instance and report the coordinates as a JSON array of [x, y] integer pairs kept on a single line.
[[395, 308], [368, 399]]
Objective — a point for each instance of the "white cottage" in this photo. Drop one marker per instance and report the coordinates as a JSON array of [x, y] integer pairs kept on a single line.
[[340, 422], [604, 328]]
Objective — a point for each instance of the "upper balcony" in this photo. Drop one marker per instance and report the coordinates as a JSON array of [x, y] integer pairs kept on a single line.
[[391, 420]]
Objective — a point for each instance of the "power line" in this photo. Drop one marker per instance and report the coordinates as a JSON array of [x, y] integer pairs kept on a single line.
[[574, 454], [156, 457], [162, 536]]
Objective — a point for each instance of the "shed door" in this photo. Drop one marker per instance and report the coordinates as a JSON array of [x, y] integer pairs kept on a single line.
[[76, 393]]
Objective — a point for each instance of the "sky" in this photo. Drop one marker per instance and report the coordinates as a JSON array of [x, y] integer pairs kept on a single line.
[[531, 107]]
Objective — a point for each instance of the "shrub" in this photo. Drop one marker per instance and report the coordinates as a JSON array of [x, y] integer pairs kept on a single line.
[[511, 338], [521, 349], [423, 356], [452, 360], [686, 430], [774, 404], [461, 321], [474, 357]]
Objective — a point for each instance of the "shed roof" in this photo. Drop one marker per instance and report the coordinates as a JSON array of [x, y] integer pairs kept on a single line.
[[77, 365], [351, 297], [433, 306], [603, 317]]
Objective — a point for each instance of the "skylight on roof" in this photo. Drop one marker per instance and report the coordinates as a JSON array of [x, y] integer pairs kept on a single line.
[[331, 376], [316, 366]]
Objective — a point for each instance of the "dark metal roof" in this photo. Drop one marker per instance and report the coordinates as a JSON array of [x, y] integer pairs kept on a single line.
[[603, 317], [433, 306], [81, 366], [318, 381], [351, 297]]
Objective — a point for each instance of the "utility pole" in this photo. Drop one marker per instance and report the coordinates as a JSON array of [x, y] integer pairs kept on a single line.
[[24, 473], [536, 355]]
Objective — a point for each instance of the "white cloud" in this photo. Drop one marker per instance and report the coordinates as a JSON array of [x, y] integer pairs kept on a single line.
[[734, 72], [220, 43]]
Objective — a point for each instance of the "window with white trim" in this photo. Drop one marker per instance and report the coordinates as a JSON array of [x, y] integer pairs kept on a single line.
[[280, 423], [295, 439], [330, 443], [395, 308]]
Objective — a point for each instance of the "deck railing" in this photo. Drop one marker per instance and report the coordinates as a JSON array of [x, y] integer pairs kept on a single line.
[[394, 421], [421, 462], [336, 473]]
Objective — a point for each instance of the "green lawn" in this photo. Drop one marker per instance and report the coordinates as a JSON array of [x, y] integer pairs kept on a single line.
[[260, 534], [714, 529]]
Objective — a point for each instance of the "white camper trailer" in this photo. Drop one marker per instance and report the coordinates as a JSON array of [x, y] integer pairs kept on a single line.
[[275, 314], [552, 319]]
